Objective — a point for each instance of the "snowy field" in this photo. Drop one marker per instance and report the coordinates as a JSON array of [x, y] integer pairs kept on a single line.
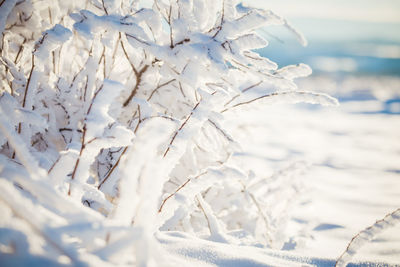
[[354, 155], [155, 134], [352, 176]]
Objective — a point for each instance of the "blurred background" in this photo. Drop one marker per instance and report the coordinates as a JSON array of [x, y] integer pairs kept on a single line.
[[344, 36], [354, 149], [353, 47]]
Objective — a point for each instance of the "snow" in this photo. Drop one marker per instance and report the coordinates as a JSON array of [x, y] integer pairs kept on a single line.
[[51, 39], [353, 152], [5, 9], [206, 253], [347, 147], [152, 134]]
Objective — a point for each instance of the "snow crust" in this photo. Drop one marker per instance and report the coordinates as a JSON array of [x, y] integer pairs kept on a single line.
[[125, 140]]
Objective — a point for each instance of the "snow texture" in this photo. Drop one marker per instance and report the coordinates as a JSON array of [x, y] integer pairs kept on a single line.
[[118, 144]]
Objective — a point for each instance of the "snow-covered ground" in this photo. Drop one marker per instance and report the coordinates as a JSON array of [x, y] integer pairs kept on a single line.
[[353, 150], [354, 155], [352, 180], [329, 172]]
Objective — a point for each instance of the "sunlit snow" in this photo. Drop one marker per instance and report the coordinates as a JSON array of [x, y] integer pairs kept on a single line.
[[199, 133]]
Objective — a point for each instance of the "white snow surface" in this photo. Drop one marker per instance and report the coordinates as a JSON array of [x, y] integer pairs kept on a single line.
[[354, 154], [352, 180], [141, 137]]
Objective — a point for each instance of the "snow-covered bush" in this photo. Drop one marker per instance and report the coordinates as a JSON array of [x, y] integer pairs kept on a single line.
[[119, 106]]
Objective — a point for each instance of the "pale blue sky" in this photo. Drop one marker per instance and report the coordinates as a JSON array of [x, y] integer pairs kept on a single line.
[[343, 20], [365, 33], [359, 10]]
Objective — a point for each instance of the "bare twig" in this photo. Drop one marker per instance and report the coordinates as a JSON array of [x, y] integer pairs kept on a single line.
[[178, 189], [104, 7], [170, 27], [19, 51], [221, 130], [186, 40], [54, 164], [138, 74], [104, 62], [367, 234], [137, 39], [222, 20], [83, 142], [127, 56], [126, 148], [243, 91], [180, 128], [138, 81], [200, 200], [251, 87], [158, 87], [181, 89], [26, 90], [269, 95], [139, 119], [77, 161], [113, 168], [29, 81], [261, 212]]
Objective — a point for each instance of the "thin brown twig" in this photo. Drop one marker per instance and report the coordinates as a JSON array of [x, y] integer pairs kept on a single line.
[[178, 189], [376, 224], [266, 96], [181, 89], [104, 7], [221, 131], [77, 161], [137, 73], [243, 91], [170, 27], [251, 87], [137, 39], [83, 143], [260, 211], [204, 212], [26, 90], [222, 19], [19, 51], [112, 169], [104, 62], [158, 87], [54, 164], [138, 81], [29, 81], [186, 40], [126, 148], [180, 128], [127, 56], [139, 120]]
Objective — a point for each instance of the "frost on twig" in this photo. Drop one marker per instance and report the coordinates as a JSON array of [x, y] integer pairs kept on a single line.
[[5, 10], [289, 97], [366, 236], [95, 137], [113, 121]]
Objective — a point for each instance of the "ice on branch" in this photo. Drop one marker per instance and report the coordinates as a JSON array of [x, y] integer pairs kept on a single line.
[[50, 40], [5, 9], [113, 128], [390, 220]]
